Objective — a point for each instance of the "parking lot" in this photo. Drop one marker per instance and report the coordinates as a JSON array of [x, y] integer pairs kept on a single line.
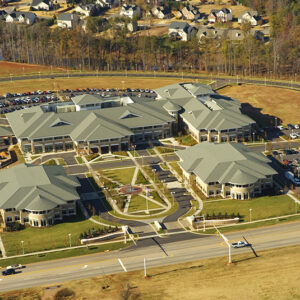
[[17, 101]]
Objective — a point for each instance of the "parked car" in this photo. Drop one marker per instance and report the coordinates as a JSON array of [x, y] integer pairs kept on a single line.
[[8, 272], [240, 244], [290, 126], [293, 135], [296, 126]]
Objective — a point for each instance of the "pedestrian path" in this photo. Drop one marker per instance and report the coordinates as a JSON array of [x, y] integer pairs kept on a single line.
[[2, 249]]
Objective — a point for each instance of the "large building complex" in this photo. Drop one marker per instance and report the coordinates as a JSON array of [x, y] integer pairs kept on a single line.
[[207, 115], [227, 170], [37, 195], [101, 124]]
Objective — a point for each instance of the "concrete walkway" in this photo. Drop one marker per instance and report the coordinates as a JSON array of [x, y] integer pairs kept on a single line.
[[133, 180], [2, 249]]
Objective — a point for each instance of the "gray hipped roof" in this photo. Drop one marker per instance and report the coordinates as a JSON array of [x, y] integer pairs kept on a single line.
[[225, 163], [203, 108], [36, 188], [87, 125]]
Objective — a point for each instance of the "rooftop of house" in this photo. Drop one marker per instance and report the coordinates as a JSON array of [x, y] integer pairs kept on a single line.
[[225, 163], [36, 188]]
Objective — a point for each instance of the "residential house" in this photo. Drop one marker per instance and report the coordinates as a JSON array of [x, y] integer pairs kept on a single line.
[[107, 3], [251, 17], [228, 170], [220, 15], [21, 17], [68, 20], [37, 195], [161, 12], [130, 11], [182, 30], [190, 13], [41, 4], [231, 34], [88, 9]]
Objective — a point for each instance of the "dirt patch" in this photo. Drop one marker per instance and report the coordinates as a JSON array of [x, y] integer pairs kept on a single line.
[[269, 101]]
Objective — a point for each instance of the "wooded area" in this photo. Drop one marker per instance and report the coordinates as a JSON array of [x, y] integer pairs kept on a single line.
[[76, 49]]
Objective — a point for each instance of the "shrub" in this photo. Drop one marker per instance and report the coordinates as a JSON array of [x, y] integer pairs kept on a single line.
[[14, 226], [65, 293]]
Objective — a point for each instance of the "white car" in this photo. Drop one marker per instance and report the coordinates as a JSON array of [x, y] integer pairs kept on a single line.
[[280, 127], [16, 266], [293, 135], [296, 126], [240, 244]]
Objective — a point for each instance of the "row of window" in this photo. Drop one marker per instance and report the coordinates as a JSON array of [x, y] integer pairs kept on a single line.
[[225, 130]]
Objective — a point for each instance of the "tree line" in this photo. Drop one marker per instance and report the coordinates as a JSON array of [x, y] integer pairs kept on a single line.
[[84, 50]]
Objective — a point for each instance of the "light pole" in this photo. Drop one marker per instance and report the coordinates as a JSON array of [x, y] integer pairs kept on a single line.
[[70, 239], [22, 243], [253, 134], [123, 84], [173, 193], [153, 170], [276, 122], [250, 211]]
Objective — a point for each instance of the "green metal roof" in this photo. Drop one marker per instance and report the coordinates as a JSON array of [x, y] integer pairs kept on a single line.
[[225, 163], [36, 187]]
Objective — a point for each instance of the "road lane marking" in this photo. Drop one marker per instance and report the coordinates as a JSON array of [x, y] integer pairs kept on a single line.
[[122, 265]]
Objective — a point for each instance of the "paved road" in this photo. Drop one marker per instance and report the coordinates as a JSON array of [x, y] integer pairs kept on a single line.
[[173, 249], [219, 80]]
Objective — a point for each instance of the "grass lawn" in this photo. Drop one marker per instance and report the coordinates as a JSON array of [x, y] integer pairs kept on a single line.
[[50, 162], [123, 176], [176, 167], [164, 149], [156, 197], [39, 239], [141, 179], [91, 157], [262, 207], [139, 203], [63, 254], [281, 103], [134, 153], [61, 161], [121, 153], [186, 140], [151, 151], [79, 159]]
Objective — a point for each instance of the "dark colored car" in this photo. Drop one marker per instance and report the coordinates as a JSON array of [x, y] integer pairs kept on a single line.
[[8, 272]]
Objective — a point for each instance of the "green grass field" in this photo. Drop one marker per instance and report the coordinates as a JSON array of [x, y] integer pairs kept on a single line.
[[123, 176], [79, 159], [141, 179], [262, 207], [39, 239], [139, 203]]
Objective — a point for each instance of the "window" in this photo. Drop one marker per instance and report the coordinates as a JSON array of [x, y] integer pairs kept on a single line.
[[58, 137], [71, 211], [211, 192], [8, 219], [70, 201], [64, 212], [43, 222], [25, 220], [8, 209], [17, 218], [35, 223], [238, 196]]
